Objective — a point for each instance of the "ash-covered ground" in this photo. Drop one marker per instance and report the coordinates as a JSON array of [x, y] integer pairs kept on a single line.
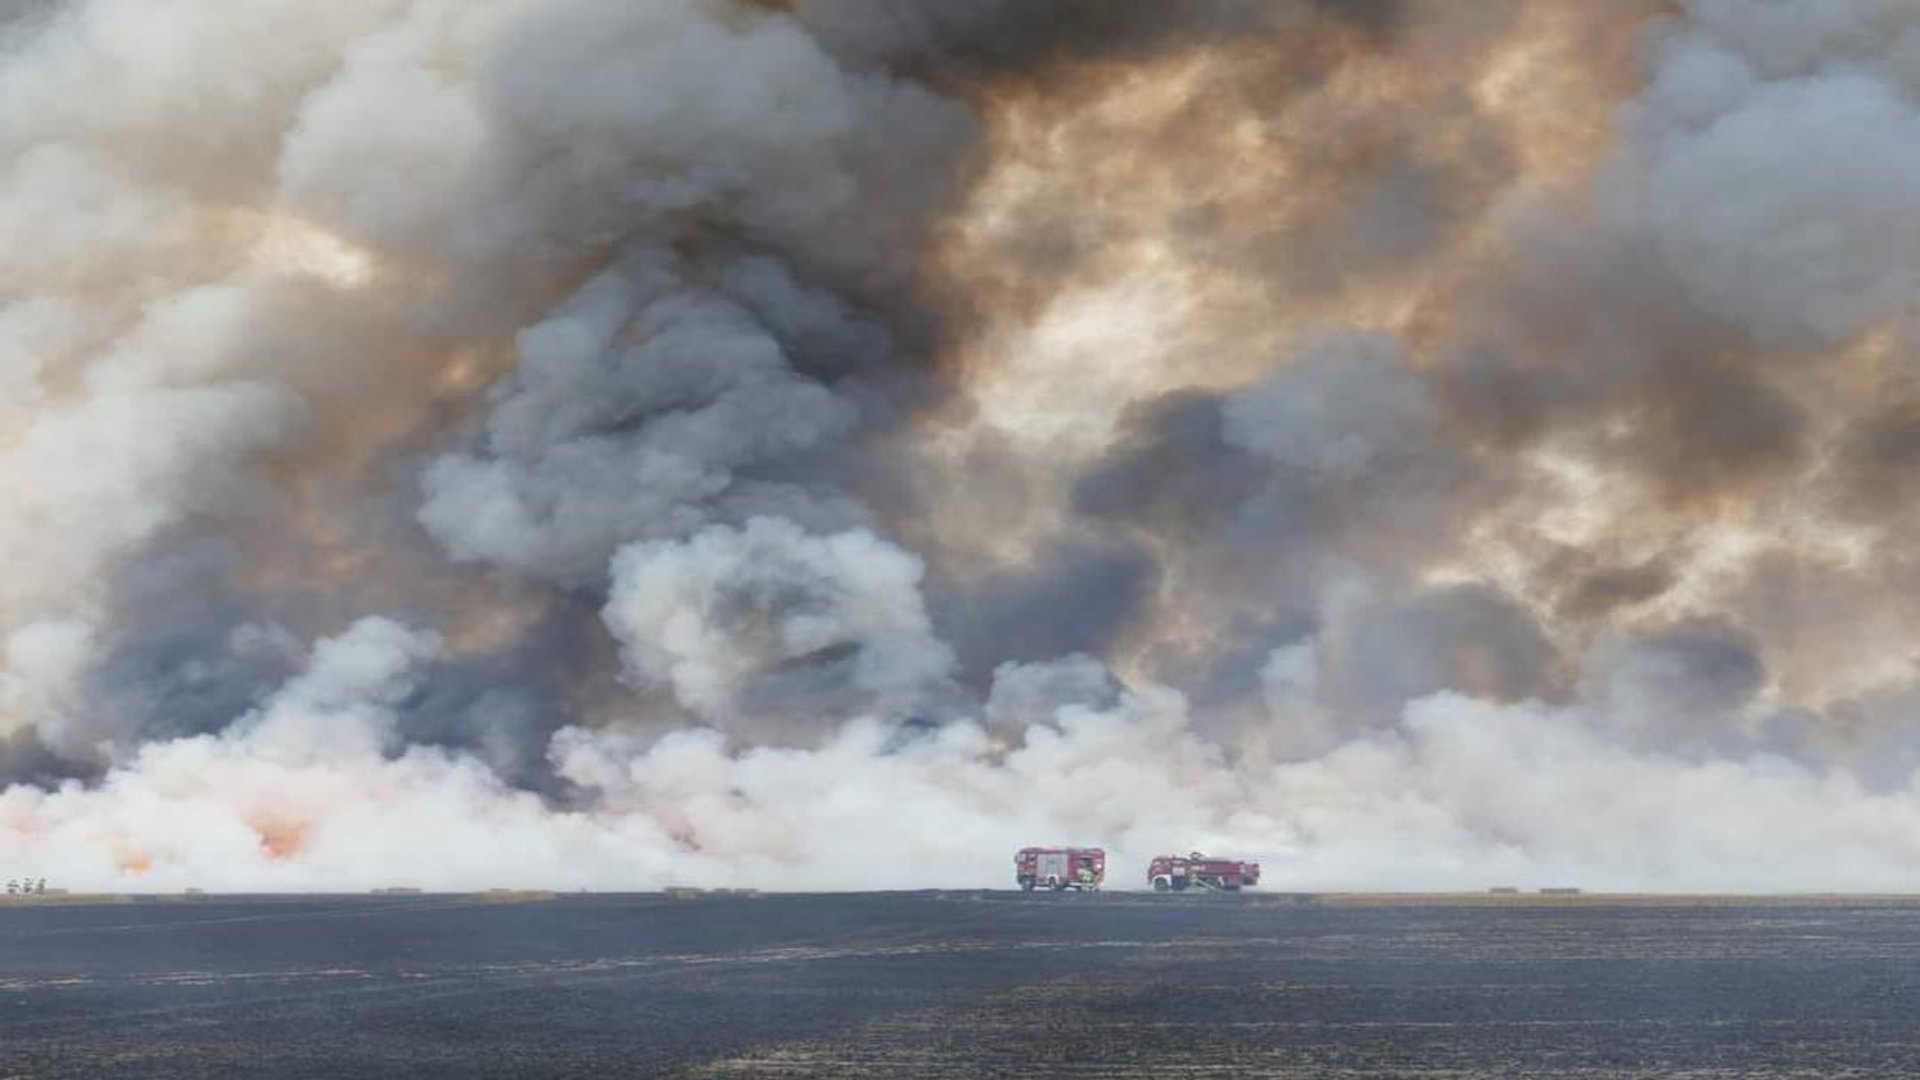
[[936, 985]]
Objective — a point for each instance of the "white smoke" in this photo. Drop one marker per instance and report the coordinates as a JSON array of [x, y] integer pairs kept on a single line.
[[300, 797], [734, 615], [46, 663]]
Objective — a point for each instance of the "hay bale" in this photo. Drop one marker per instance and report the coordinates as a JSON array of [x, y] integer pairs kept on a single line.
[[518, 896]]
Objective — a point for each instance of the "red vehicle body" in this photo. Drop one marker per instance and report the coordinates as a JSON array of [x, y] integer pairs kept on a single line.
[[1186, 871], [1059, 868]]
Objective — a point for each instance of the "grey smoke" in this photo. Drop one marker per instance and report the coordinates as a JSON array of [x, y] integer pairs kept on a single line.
[[995, 35], [765, 620], [1071, 599], [1682, 687], [440, 428], [639, 411], [187, 659]]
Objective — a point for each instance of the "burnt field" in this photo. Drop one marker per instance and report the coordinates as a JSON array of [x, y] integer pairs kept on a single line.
[[956, 985]]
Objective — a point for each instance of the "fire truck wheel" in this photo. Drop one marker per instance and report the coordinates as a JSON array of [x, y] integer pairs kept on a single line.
[[1056, 885], [1161, 884], [1026, 884]]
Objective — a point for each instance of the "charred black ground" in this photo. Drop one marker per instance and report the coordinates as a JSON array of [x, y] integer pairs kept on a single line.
[[958, 984]]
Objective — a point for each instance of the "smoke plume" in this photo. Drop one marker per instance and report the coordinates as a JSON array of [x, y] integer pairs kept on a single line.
[[834, 443]]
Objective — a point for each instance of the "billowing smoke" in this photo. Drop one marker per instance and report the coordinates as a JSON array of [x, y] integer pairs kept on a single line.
[[833, 443]]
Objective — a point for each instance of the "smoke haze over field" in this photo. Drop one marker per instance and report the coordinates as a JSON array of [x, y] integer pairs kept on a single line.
[[833, 443]]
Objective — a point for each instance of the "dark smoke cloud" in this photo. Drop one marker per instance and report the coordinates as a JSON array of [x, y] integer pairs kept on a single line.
[[1594, 341], [189, 655], [1683, 687], [1873, 473], [1174, 468], [505, 707], [973, 38], [1468, 637], [711, 440], [1587, 591], [1337, 459], [1073, 598], [642, 409]]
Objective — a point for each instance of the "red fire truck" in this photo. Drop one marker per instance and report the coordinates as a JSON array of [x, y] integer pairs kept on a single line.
[[1178, 872], [1060, 868]]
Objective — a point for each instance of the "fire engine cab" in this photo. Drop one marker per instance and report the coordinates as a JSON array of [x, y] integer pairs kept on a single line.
[[1059, 868], [1186, 871]]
